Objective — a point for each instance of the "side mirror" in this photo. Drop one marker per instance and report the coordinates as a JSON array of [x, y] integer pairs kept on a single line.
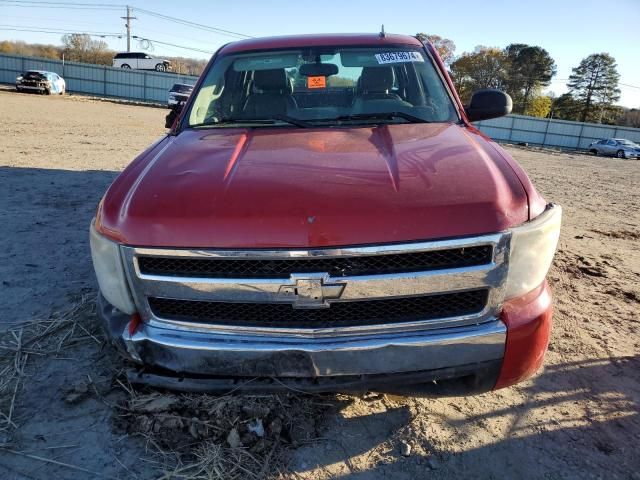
[[488, 103], [171, 117]]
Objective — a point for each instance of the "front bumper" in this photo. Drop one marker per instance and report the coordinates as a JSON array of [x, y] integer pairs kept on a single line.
[[35, 88], [458, 360], [176, 100], [454, 360]]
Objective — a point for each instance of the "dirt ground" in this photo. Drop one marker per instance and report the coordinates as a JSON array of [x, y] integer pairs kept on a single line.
[[67, 415]]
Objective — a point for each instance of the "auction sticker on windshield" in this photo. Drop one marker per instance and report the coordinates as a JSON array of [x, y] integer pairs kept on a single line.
[[316, 82], [398, 57]]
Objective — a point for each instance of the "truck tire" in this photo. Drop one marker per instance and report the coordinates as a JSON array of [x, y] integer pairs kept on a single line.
[[160, 67]]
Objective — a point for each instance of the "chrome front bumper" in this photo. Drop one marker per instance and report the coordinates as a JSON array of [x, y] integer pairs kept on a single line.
[[222, 355]]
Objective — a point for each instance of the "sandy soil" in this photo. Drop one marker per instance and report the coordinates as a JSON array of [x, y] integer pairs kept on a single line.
[[579, 418]]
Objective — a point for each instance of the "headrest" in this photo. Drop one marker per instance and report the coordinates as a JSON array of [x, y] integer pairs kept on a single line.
[[270, 80], [376, 79]]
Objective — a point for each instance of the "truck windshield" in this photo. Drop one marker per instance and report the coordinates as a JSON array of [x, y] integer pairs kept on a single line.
[[322, 86]]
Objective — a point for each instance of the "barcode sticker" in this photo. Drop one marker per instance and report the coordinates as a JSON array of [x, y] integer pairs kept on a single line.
[[398, 57]]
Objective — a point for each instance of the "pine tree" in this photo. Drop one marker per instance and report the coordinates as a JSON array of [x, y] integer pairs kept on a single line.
[[530, 69], [594, 84]]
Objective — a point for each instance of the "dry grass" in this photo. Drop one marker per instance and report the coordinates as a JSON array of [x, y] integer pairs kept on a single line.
[[22, 345], [187, 436], [200, 436]]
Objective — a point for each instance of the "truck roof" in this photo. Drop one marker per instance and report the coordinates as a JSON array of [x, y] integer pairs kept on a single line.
[[319, 40]]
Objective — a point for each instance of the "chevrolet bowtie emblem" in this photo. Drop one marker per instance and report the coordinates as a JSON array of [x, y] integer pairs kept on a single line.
[[311, 290]]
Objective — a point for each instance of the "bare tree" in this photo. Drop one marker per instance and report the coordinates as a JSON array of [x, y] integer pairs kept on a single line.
[[445, 47], [80, 47]]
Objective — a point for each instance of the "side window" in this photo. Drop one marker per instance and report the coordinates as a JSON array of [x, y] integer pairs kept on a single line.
[[140, 55], [611, 143]]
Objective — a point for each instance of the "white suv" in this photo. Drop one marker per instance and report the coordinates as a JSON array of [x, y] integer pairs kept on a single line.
[[140, 61]]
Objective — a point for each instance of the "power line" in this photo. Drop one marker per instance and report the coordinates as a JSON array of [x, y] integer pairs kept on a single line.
[[59, 29], [18, 28], [192, 24], [61, 7], [98, 6], [56, 31], [71, 5], [171, 44], [171, 34]]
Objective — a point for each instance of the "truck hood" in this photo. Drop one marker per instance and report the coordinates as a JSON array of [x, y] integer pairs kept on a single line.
[[291, 187]]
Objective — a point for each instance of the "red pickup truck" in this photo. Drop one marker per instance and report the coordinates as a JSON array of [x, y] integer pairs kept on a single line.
[[322, 216]]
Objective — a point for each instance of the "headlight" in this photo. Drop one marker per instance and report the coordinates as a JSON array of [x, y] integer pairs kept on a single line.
[[532, 247], [110, 272], [19, 79]]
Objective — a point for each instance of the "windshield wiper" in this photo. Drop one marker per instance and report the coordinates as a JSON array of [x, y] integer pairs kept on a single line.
[[380, 116], [266, 121]]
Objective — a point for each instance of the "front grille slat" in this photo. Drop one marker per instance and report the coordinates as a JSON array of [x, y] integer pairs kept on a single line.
[[339, 314], [334, 266]]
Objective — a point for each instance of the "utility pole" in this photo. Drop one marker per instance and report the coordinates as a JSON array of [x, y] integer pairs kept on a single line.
[[128, 18]]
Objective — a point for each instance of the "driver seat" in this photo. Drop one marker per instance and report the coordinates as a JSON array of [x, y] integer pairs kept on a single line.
[[374, 93], [271, 94]]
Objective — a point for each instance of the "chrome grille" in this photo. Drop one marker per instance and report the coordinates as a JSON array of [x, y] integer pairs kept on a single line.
[[341, 314], [321, 292], [335, 267]]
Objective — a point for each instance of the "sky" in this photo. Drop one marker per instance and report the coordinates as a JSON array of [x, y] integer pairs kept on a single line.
[[568, 29]]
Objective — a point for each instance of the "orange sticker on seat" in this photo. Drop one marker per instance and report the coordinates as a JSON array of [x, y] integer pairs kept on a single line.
[[317, 82]]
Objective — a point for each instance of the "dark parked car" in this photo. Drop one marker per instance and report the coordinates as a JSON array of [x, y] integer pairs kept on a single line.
[[617, 147], [179, 94]]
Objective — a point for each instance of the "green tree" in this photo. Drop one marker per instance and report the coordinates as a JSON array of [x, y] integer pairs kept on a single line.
[[594, 84], [565, 107], [629, 118], [529, 69], [445, 47], [485, 67]]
